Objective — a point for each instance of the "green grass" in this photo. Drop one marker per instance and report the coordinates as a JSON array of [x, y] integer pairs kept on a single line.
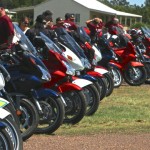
[[126, 110]]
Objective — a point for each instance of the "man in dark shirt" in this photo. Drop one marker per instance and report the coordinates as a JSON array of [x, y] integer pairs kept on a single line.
[[38, 27], [6, 30], [95, 26]]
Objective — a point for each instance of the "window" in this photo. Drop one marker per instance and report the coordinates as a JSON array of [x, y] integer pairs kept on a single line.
[[77, 18]]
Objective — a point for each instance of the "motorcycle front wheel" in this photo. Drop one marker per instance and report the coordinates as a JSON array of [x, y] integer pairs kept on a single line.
[[110, 83], [117, 77], [135, 76], [5, 140], [13, 131], [52, 115], [76, 106], [102, 82], [29, 118], [92, 99]]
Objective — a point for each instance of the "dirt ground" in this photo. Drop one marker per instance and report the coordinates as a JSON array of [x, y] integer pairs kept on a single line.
[[91, 142]]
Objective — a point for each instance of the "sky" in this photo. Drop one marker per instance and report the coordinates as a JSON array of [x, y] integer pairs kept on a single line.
[[137, 2]]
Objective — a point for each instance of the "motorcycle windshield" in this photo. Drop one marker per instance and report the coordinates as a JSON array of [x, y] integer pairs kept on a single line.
[[117, 29], [50, 44], [121, 35], [84, 37], [68, 41], [27, 46], [24, 41], [145, 31]]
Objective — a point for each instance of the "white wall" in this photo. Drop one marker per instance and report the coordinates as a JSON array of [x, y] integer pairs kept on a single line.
[[61, 7]]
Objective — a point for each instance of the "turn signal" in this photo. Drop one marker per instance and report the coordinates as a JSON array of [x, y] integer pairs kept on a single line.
[[18, 112], [69, 57]]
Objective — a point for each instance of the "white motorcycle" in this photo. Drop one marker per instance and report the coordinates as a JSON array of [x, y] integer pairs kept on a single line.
[[7, 121], [10, 136]]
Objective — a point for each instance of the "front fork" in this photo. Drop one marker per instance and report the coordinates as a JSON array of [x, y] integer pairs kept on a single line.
[[134, 70], [35, 99], [63, 100]]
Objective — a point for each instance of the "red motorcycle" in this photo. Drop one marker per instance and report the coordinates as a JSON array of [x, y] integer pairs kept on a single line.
[[86, 72], [94, 55], [133, 71], [146, 39], [76, 92]]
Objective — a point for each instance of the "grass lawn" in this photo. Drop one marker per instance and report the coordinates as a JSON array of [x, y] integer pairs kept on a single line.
[[126, 110]]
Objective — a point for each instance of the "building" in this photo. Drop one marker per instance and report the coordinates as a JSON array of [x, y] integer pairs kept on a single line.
[[83, 10]]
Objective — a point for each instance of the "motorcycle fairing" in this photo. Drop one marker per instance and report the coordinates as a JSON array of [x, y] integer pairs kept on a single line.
[[44, 93], [67, 86], [3, 102], [100, 70], [81, 82], [136, 64], [3, 113]]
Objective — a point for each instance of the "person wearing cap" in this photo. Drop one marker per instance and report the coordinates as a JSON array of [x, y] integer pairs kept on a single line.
[[24, 24], [59, 23], [49, 20], [39, 26], [6, 30], [95, 26], [69, 22]]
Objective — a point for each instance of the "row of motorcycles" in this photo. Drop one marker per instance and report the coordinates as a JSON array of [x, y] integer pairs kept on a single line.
[[61, 79], [55, 81], [130, 55]]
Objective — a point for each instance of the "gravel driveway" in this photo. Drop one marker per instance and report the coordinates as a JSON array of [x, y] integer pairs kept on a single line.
[[91, 142]]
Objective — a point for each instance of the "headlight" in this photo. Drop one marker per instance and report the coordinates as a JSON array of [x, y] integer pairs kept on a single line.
[[70, 69]]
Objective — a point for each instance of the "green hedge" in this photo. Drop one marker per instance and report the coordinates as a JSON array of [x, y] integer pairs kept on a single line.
[[139, 25]]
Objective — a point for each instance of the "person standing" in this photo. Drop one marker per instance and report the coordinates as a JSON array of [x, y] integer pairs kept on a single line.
[[59, 23], [24, 24], [114, 24], [95, 26], [37, 28], [6, 30], [48, 16], [69, 22]]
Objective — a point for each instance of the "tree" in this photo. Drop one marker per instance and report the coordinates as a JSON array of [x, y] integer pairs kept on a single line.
[[147, 3]]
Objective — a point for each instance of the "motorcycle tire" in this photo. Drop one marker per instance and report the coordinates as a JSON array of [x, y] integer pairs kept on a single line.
[[110, 83], [29, 118], [98, 87], [55, 115], [131, 79], [92, 99], [76, 106], [5, 140], [102, 82], [117, 77], [14, 132]]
